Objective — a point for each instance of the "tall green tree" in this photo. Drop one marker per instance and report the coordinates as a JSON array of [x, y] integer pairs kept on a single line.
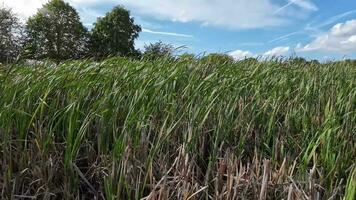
[[56, 32], [114, 34], [11, 36]]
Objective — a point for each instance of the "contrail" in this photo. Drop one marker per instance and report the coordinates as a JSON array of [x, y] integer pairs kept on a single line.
[[166, 33]]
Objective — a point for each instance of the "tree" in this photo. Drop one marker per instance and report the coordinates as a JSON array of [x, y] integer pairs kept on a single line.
[[56, 32], [217, 58], [114, 34], [158, 50], [297, 60], [11, 36]]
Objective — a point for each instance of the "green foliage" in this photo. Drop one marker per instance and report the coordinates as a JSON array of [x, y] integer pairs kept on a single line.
[[158, 50], [56, 32], [114, 34], [11, 36], [127, 129], [349, 62], [249, 60], [298, 60], [218, 59], [187, 57], [350, 193]]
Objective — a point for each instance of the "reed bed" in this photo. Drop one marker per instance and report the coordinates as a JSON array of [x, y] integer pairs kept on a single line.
[[178, 129]]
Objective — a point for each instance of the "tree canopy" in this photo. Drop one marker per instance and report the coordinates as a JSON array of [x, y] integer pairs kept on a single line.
[[11, 35], [158, 50], [114, 34], [56, 32]]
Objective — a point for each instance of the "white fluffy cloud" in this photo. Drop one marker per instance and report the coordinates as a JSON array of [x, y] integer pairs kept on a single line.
[[234, 14], [86, 8], [277, 51], [341, 38], [239, 54], [24, 8], [224, 13]]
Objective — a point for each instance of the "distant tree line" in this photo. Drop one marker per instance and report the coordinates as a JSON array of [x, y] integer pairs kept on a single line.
[[55, 32]]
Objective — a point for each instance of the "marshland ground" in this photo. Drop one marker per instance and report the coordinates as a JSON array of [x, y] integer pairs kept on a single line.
[[183, 128], [85, 114]]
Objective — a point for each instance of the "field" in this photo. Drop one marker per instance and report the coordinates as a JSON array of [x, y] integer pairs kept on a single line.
[[178, 129]]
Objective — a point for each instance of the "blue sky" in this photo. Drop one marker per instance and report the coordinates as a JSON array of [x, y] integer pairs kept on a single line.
[[315, 29]]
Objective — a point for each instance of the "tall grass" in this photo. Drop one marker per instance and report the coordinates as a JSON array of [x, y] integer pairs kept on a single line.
[[178, 129]]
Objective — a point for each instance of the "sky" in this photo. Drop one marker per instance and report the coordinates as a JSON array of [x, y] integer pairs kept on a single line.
[[314, 29]]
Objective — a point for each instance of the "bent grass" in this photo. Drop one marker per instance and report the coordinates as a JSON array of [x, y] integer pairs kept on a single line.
[[178, 129]]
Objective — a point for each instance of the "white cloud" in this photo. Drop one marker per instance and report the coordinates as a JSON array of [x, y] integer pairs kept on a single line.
[[341, 38], [166, 33], [239, 54], [344, 29], [317, 25], [24, 8], [233, 14], [27, 8], [352, 39], [277, 51]]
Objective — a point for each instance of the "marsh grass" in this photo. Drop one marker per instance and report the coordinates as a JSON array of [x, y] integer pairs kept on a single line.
[[178, 129]]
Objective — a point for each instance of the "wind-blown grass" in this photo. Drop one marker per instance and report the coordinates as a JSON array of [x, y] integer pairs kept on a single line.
[[123, 129]]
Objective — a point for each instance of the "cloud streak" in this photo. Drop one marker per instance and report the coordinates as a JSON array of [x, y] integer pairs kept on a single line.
[[332, 19], [285, 37], [167, 33], [304, 4]]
